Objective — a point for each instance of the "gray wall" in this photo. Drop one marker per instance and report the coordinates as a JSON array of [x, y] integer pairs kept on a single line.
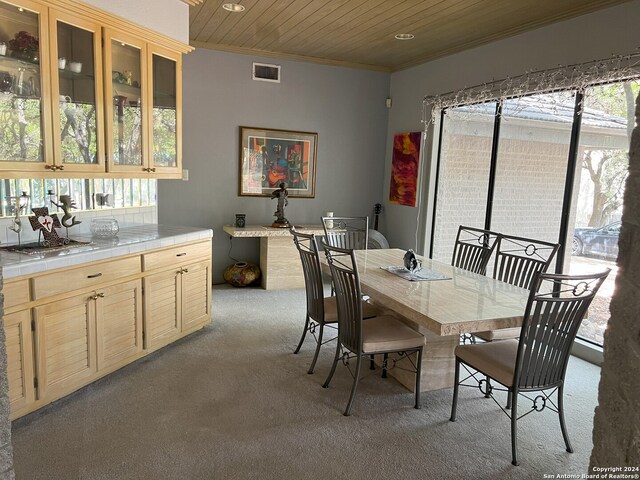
[[589, 37], [346, 107]]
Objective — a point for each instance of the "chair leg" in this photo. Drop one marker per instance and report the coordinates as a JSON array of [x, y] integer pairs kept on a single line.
[[333, 367], [514, 428], [488, 394], [454, 403], [563, 425], [418, 374], [356, 377], [384, 365], [372, 363], [315, 356], [304, 334], [509, 400]]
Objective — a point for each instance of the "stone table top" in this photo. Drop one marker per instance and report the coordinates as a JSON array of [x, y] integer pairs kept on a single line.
[[132, 238], [468, 302], [266, 231]]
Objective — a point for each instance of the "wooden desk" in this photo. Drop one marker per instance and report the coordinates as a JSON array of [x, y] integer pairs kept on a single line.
[[279, 259], [441, 310]]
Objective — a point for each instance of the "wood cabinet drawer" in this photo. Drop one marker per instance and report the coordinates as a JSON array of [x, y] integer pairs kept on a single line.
[[176, 255], [15, 292], [85, 276]]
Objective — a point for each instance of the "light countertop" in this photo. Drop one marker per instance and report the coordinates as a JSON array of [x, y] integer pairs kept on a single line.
[[132, 238], [266, 231]]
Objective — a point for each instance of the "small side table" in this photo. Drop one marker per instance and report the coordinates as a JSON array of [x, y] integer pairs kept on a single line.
[[279, 259]]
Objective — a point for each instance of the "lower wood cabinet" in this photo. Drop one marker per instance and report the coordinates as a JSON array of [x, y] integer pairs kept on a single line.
[[65, 344], [19, 342], [176, 301], [118, 323], [57, 344]]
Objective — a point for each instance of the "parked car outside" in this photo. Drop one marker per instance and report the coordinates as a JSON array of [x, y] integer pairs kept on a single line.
[[601, 241]]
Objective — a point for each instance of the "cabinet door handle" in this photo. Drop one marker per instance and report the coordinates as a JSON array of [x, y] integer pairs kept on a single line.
[[61, 167], [153, 169], [181, 254], [95, 275], [100, 295], [185, 270]]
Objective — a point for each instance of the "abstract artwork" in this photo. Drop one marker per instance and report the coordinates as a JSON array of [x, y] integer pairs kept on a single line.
[[269, 157], [404, 168]]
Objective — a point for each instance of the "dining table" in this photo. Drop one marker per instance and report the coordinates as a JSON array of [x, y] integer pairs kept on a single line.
[[463, 302]]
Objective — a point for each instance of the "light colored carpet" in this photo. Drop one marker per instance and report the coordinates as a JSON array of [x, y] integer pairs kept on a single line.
[[233, 402]]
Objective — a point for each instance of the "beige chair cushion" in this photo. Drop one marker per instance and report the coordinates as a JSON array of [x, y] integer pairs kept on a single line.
[[331, 310], [388, 334], [502, 334], [495, 359]]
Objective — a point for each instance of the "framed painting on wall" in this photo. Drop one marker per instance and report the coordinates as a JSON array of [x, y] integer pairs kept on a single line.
[[269, 157], [404, 168]]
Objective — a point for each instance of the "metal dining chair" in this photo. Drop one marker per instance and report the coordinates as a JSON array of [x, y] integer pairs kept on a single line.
[[472, 251], [518, 260], [379, 335], [473, 248], [537, 362], [321, 311], [346, 232]]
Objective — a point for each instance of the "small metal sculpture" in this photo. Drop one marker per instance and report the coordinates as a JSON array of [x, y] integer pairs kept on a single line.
[[66, 204], [21, 204], [411, 263], [283, 200], [46, 224]]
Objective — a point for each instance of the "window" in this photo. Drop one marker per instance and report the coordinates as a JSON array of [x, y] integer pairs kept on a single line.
[[512, 171], [88, 194]]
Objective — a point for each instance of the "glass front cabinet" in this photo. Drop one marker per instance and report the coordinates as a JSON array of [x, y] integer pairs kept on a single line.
[[85, 99], [25, 127], [76, 61]]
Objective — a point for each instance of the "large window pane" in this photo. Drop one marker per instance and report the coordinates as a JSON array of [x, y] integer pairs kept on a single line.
[[599, 187], [533, 150], [465, 159]]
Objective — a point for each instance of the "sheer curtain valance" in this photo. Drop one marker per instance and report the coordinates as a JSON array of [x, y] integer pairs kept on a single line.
[[571, 77]]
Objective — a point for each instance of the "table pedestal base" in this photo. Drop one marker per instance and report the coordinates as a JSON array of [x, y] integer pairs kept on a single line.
[[438, 362]]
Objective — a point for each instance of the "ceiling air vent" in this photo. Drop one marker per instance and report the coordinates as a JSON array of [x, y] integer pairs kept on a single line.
[[266, 73]]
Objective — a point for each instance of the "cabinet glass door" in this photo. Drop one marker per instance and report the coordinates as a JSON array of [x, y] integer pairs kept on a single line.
[[77, 86], [165, 114], [125, 87], [24, 116]]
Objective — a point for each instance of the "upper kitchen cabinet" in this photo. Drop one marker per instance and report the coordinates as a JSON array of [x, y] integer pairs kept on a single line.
[[76, 64], [166, 112], [86, 94], [126, 94], [25, 130]]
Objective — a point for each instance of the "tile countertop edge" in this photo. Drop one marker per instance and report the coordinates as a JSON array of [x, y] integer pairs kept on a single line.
[[134, 239]]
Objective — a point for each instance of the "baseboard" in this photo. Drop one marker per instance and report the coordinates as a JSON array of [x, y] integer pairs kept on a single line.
[[587, 351]]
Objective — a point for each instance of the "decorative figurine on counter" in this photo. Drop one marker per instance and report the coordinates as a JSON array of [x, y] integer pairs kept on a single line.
[[46, 224], [21, 205], [66, 204], [283, 200]]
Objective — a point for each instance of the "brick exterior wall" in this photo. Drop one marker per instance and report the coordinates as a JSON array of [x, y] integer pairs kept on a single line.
[[528, 196], [616, 431]]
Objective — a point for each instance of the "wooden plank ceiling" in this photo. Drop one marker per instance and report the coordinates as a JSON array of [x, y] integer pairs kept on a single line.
[[360, 33]]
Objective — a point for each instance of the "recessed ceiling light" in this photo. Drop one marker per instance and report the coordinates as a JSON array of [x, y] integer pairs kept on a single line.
[[404, 36], [233, 7]]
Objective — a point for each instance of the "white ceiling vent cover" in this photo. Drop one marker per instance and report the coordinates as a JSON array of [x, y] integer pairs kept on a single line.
[[265, 72]]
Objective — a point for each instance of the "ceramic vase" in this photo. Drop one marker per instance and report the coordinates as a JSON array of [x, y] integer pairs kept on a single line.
[[241, 274]]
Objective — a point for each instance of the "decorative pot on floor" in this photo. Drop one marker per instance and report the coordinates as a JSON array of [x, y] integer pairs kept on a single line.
[[241, 274]]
